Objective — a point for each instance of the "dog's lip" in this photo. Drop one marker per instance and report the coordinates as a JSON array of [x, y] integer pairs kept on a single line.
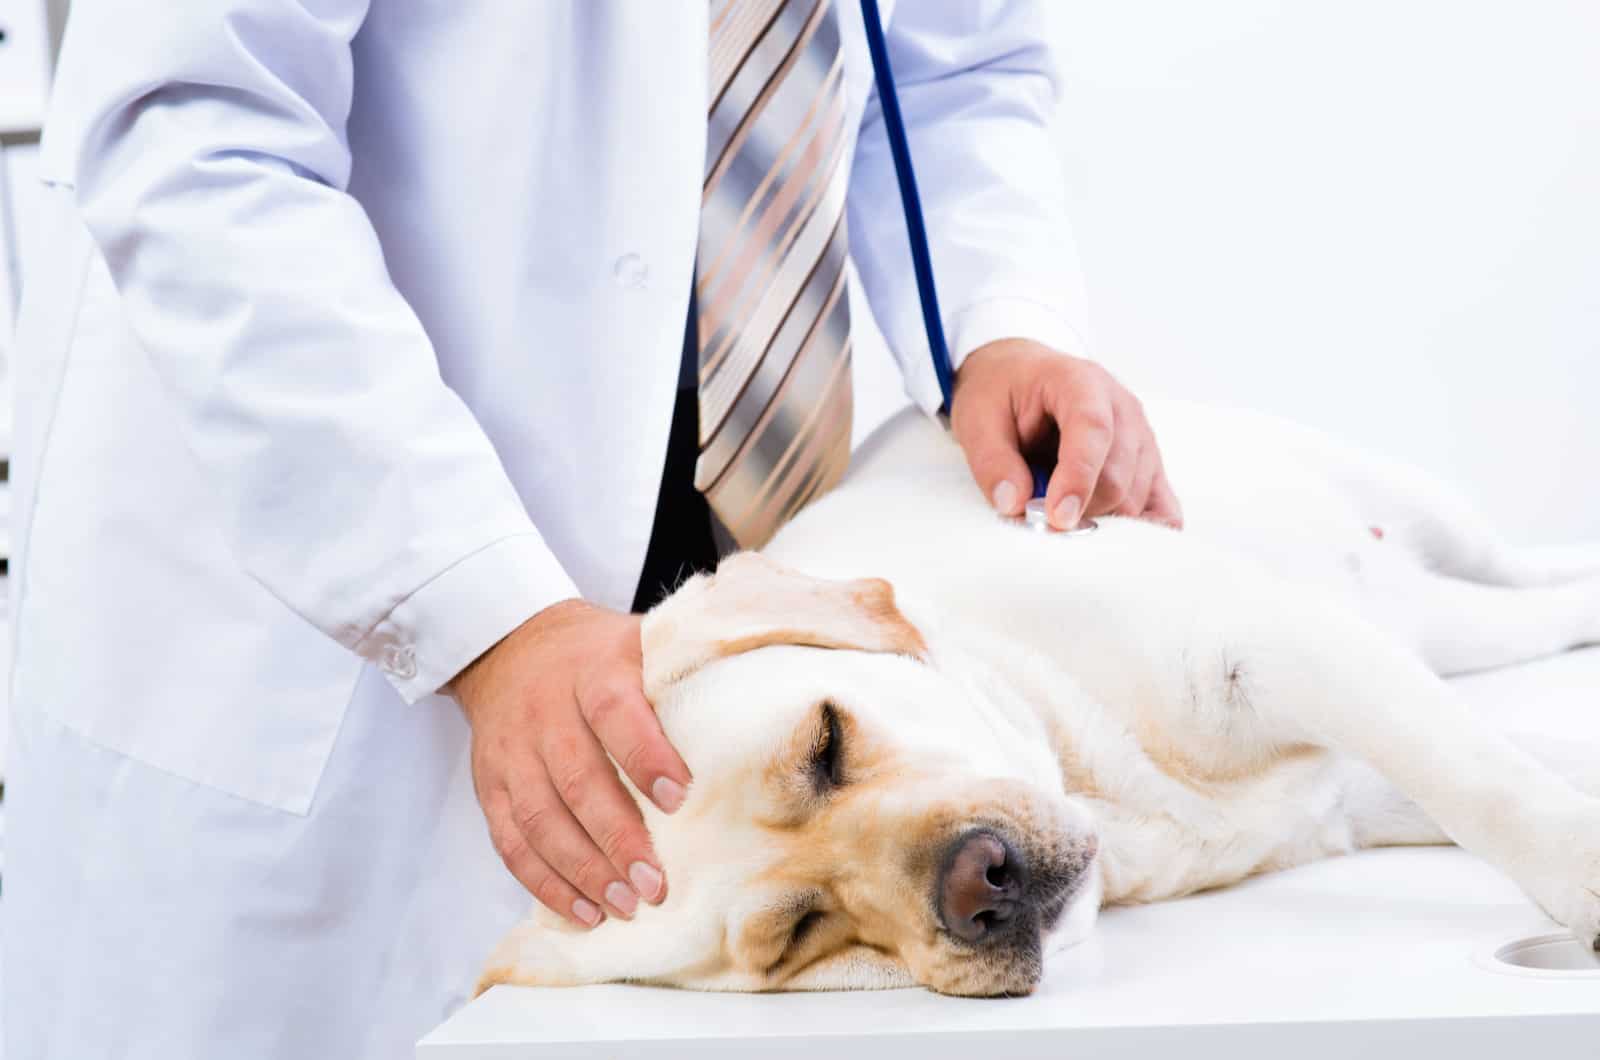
[[1054, 905], [1050, 914]]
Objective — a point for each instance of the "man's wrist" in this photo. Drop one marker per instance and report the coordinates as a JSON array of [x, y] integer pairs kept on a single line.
[[996, 319], [428, 639], [467, 678]]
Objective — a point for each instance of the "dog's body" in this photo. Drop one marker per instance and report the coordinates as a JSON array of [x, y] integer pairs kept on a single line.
[[1038, 723]]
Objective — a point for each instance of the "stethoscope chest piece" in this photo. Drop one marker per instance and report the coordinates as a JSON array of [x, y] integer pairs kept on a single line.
[[1036, 517]]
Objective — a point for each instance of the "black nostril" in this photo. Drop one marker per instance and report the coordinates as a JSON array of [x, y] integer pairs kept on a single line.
[[980, 887]]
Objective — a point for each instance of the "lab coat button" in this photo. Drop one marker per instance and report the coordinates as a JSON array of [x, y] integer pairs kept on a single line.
[[399, 661], [631, 271]]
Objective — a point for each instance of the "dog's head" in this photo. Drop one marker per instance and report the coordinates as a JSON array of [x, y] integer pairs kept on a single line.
[[860, 817]]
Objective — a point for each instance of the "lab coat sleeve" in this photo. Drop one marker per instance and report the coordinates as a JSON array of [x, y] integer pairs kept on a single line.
[[978, 85], [210, 160]]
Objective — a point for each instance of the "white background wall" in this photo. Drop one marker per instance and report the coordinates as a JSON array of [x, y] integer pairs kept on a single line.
[[1378, 216]]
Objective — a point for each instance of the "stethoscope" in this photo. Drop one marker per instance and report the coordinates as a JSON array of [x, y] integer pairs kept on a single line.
[[1034, 514]]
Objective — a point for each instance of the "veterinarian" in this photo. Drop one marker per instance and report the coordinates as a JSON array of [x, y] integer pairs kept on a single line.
[[363, 334]]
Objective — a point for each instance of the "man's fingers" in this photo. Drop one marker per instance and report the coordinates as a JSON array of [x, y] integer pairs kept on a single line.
[[1163, 506], [1087, 433], [589, 786], [1139, 500], [1118, 475], [630, 732], [547, 825], [532, 871], [994, 453], [1137, 496]]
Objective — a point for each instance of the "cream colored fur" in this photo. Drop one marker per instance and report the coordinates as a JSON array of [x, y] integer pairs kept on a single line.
[[1176, 711]]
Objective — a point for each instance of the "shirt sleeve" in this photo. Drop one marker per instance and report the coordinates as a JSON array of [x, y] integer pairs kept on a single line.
[[978, 86], [207, 146]]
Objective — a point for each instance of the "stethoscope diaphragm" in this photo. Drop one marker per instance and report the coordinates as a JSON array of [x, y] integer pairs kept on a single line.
[[1037, 517]]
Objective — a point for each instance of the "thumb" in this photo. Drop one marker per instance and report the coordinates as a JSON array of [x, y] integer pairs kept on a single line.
[[994, 454]]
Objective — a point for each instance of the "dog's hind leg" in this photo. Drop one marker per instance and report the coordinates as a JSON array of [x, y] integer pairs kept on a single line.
[[1544, 564], [1430, 518], [1452, 538], [1460, 626]]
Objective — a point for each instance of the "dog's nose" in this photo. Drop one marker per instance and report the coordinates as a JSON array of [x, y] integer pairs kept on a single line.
[[980, 887]]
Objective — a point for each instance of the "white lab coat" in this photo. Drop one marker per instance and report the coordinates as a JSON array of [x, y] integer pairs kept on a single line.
[[354, 345]]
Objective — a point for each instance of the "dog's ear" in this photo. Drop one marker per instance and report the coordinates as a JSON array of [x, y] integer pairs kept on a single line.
[[752, 602]]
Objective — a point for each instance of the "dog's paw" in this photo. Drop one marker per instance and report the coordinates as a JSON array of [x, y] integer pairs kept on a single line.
[[1582, 916], [1570, 889]]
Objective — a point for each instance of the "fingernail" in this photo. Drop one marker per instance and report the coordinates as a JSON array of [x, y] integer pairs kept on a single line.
[[646, 879], [586, 911], [622, 899], [668, 794], [1005, 497], [1067, 513]]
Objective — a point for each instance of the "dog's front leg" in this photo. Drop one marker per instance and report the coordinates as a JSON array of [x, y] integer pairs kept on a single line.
[[1335, 680]]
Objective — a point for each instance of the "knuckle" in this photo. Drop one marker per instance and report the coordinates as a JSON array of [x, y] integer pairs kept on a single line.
[[562, 743], [591, 872], [1091, 431], [635, 760], [1114, 485], [606, 704], [508, 843], [551, 892], [1092, 376], [1084, 470], [574, 784], [531, 818], [1094, 421], [614, 841]]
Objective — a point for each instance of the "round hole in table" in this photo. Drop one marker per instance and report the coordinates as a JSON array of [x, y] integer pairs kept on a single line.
[[1548, 956]]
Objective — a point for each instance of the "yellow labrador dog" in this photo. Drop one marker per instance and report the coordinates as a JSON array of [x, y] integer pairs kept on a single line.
[[929, 743]]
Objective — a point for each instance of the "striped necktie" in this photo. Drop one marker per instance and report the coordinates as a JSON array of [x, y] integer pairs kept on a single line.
[[774, 315]]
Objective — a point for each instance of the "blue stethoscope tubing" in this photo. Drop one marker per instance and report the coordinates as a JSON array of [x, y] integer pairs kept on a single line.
[[916, 231], [921, 261]]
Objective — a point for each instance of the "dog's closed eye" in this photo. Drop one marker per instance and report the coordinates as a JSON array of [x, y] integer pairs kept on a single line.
[[803, 928], [813, 934], [789, 933], [827, 754]]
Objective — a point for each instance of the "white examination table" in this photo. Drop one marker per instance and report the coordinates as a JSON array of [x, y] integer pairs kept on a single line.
[[1388, 953]]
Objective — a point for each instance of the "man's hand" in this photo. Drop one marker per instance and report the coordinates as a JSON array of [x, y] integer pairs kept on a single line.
[[546, 705], [1016, 397]]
